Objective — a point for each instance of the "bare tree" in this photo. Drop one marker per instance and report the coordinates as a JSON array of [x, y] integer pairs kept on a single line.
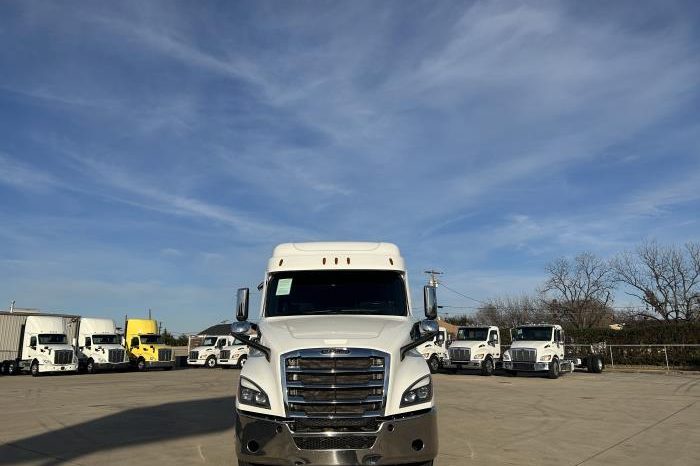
[[665, 278], [510, 311], [581, 289]]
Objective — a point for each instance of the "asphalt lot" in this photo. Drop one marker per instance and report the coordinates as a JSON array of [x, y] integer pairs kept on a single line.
[[186, 417]]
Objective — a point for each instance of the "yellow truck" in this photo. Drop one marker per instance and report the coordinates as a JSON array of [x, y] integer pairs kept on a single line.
[[145, 346]]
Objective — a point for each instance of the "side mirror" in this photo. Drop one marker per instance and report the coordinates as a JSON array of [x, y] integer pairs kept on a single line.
[[241, 327], [440, 339], [428, 326], [430, 302], [242, 298]]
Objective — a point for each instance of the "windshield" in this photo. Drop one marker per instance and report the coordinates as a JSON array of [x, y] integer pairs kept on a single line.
[[151, 339], [52, 339], [375, 292], [533, 333], [472, 334], [105, 339], [209, 341]]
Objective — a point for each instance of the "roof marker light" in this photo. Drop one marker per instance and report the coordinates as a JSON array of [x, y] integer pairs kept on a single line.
[[281, 260], [336, 261], [391, 261], [348, 261], [324, 261]]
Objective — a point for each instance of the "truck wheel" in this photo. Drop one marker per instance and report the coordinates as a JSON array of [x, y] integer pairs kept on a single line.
[[11, 368], [487, 367], [553, 370], [595, 364], [35, 369], [141, 365], [433, 364], [242, 360], [90, 366], [210, 362]]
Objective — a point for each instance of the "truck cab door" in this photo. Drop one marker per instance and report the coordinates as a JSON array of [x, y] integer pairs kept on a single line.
[[494, 343]]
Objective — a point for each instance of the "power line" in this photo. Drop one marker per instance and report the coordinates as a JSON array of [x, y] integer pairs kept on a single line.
[[462, 294]]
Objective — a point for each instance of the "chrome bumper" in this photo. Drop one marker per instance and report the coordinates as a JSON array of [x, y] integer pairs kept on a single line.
[[160, 364], [462, 365], [526, 366], [112, 365], [410, 439]]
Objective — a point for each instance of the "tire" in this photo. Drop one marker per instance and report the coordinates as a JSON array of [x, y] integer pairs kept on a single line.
[[511, 373], [595, 364], [487, 367], [141, 365], [34, 369], [12, 368], [433, 364], [241, 361], [554, 370], [210, 363], [90, 366]]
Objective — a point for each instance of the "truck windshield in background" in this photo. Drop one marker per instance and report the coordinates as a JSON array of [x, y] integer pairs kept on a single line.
[[319, 292], [532, 334], [105, 340], [472, 334], [210, 341], [52, 339], [151, 339]]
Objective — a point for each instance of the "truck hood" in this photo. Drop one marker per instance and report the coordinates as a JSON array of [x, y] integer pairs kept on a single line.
[[378, 332], [538, 345], [471, 345]]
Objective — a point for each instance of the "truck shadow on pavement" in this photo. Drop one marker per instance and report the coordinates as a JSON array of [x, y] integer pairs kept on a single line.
[[133, 427]]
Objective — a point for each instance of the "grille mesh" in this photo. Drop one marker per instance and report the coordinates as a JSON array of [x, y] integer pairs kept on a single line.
[[115, 355], [460, 354], [194, 355], [524, 354], [335, 443], [225, 354], [165, 354], [63, 357]]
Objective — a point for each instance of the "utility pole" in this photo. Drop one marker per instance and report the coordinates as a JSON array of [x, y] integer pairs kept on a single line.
[[432, 280], [12, 306]]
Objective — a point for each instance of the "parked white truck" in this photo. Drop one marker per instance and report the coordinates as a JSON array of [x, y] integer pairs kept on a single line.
[[477, 347], [435, 351], [537, 348], [38, 343], [335, 378], [208, 353], [99, 346], [234, 354]]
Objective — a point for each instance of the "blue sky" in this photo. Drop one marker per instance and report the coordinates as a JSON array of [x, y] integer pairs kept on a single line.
[[153, 153]]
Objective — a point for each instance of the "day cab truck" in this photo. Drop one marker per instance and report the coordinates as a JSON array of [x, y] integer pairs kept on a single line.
[[145, 345], [209, 352], [435, 351], [335, 377], [234, 354], [99, 346], [37, 343], [477, 347]]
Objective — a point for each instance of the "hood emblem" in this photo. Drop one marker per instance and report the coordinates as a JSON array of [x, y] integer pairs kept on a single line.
[[335, 351]]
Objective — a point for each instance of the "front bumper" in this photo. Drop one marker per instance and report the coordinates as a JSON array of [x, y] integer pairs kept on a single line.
[[44, 368], [409, 439], [526, 366], [196, 362], [462, 364], [112, 365], [157, 364]]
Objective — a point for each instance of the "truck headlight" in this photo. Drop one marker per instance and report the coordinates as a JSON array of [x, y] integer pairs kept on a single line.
[[479, 356], [250, 394], [546, 357], [506, 356], [420, 392]]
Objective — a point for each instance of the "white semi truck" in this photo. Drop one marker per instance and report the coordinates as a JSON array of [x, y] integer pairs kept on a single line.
[[99, 346], [208, 353], [477, 347], [435, 351], [537, 348], [335, 377], [37, 343], [234, 354]]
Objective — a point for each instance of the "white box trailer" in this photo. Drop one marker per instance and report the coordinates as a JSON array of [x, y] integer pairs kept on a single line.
[[37, 342]]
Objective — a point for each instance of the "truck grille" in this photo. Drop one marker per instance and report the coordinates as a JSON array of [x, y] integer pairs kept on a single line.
[[63, 357], [225, 354], [460, 354], [165, 354], [194, 355], [328, 383], [116, 355], [346, 442], [524, 354]]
